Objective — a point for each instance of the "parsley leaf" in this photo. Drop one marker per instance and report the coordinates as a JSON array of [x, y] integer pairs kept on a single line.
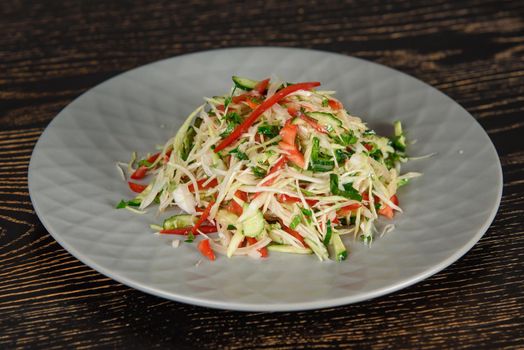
[[239, 154], [259, 172], [268, 130]]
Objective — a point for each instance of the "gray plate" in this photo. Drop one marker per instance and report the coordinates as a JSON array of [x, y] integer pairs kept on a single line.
[[74, 184]]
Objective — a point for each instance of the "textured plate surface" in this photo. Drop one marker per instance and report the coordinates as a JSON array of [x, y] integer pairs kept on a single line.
[[74, 184]]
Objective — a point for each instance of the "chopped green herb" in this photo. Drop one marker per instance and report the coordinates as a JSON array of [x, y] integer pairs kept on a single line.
[[341, 155], [342, 256], [229, 129], [258, 172], [295, 222], [346, 139], [239, 154], [349, 191], [325, 102], [329, 233], [369, 132], [306, 212], [233, 117], [231, 227], [227, 101], [131, 203], [306, 192], [268, 130], [318, 162], [144, 162]]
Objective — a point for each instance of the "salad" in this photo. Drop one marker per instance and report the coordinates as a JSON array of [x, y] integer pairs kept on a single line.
[[272, 167]]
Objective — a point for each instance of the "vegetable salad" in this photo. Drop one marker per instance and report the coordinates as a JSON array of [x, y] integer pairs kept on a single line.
[[272, 167]]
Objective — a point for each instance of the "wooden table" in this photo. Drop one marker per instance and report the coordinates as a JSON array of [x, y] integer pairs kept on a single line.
[[51, 52]]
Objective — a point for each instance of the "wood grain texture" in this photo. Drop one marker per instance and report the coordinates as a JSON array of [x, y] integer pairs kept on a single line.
[[51, 52]]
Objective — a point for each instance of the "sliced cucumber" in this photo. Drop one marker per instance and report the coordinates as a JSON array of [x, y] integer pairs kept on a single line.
[[399, 141], [254, 225], [328, 120], [340, 252], [244, 83], [226, 218], [285, 248], [319, 250], [179, 221]]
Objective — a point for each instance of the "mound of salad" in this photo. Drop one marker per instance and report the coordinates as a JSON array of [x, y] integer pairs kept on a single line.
[[272, 167]]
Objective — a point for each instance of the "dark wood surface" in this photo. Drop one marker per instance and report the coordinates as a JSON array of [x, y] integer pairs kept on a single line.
[[51, 52]]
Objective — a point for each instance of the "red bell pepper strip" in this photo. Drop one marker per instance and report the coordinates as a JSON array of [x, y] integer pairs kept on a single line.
[[186, 230], [152, 158], [253, 105], [264, 106], [234, 207], [313, 123], [262, 251], [289, 133], [295, 234], [292, 111], [202, 217], [200, 184], [293, 154], [386, 210], [368, 146], [284, 198], [261, 87], [139, 173], [278, 165], [334, 104], [288, 146], [348, 209], [205, 249], [136, 187], [394, 199]]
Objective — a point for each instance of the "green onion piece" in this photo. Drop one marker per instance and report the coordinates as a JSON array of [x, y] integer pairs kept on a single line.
[[121, 204], [306, 212], [231, 227], [295, 222], [329, 233]]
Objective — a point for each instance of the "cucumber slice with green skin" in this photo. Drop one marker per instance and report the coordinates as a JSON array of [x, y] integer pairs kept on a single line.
[[339, 249], [319, 250], [244, 83], [226, 218], [285, 248], [253, 225], [399, 141], [179, 221], [327, 120]]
